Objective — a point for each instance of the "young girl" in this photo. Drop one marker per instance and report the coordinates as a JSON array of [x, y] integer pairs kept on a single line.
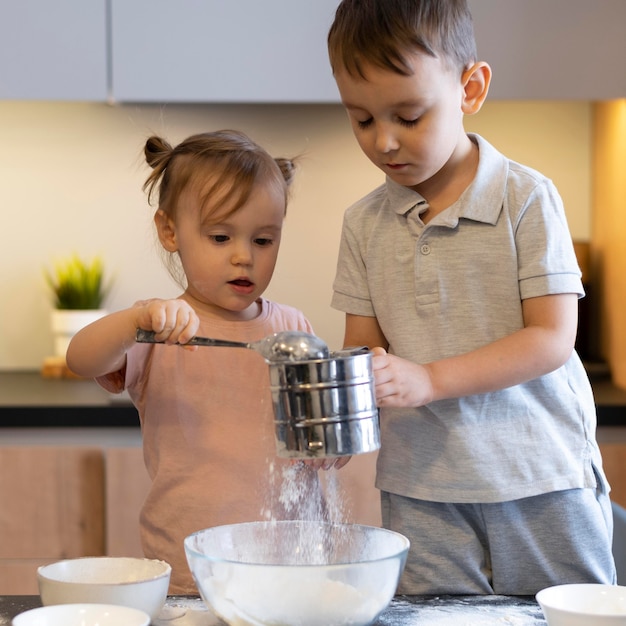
[[206, 414]]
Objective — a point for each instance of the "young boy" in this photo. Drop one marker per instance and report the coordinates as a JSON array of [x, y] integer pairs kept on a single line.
[[460, 269]]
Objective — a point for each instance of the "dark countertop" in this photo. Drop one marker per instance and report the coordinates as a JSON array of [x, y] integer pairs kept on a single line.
[[29, 400], [610, 402], [403, 611]]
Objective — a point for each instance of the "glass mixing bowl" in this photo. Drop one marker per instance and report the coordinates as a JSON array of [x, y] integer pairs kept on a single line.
[[296, 573]]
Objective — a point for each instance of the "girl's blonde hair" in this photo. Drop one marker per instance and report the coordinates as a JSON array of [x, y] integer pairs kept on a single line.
[[223, 166]]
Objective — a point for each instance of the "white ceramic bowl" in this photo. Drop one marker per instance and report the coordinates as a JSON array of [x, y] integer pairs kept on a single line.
[[133, 582], [82, 615], [295, 572], [584, 605]]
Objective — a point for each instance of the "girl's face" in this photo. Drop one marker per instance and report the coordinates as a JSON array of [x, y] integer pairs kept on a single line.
[[411, 127], [228, 262]]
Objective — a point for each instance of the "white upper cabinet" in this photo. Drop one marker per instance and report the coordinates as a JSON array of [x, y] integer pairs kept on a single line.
[[553, 49], [53, 50], [221, 51], [275, 50]]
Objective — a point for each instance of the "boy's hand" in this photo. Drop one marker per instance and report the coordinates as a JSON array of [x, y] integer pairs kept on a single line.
[[400, 383], [173, 321]]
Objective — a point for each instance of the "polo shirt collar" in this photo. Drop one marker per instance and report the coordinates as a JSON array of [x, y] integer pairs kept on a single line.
[[482, 201]]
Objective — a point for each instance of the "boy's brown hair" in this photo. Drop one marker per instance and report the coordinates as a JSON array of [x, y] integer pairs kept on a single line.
[[382, 32]]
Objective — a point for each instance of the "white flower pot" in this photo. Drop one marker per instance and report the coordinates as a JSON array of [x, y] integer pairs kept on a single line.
[[66, 323]]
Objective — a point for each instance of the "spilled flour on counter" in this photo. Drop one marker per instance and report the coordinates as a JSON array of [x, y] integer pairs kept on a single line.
[[462, 611]]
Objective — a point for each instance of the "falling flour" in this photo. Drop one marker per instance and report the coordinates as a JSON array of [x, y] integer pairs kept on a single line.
[[253, 596], [293, 495]]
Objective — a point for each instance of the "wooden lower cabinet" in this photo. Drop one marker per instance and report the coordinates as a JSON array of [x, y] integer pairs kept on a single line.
[[127, 484], [71, 501], [59, 502], [614, 462], [51, 508], [66, 502]]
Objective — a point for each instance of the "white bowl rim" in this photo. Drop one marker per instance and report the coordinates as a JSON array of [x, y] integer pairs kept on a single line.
[[399, 553], [41, 570], [126, 611], [540, 597]]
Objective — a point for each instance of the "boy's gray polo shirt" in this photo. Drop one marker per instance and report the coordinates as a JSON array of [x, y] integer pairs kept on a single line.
[[449, 287]]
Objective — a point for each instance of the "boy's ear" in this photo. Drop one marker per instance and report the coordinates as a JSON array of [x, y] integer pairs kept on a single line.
[[475, 80], [166, 231]]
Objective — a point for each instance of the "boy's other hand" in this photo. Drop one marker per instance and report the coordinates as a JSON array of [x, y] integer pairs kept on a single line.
[[400, 383]]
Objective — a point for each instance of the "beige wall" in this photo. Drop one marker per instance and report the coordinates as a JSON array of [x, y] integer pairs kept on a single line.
[[71, 176], [609, 231]]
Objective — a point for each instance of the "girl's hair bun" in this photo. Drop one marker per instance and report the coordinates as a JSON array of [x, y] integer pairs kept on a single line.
[[157, 151], [287, 168]]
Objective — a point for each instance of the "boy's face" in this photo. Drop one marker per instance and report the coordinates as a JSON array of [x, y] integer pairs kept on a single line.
[[411, 127]]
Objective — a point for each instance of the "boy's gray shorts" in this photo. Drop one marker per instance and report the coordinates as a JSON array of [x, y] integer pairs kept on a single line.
[[505, 548]]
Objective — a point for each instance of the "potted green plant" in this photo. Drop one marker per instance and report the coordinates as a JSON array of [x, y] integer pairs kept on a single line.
[[79, 291]]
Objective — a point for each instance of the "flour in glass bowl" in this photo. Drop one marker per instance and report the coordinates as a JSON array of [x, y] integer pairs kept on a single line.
[[250, 599], [272, 596]]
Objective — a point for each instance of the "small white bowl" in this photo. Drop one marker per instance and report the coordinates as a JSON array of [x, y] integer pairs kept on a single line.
[[583, 605], [82, 615], [133, 582]]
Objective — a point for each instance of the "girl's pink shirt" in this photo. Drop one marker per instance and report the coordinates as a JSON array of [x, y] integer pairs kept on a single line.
[[208, 438]]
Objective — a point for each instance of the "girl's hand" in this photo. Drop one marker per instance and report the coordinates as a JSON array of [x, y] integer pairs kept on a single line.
[[101, 347], [173, 321], [400, 383], [325, 463]]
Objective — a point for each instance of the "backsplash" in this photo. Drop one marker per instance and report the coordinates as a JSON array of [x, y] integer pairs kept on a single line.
[[71, 177]]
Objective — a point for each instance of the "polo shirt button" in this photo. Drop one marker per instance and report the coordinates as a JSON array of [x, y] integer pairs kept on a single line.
[[425, 248]]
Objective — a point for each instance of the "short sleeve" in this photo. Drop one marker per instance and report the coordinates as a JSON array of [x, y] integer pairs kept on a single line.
[[546, 259], [351, 292]]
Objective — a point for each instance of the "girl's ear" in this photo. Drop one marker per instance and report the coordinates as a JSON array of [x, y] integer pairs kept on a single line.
[[475, 80], [166, 231]]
